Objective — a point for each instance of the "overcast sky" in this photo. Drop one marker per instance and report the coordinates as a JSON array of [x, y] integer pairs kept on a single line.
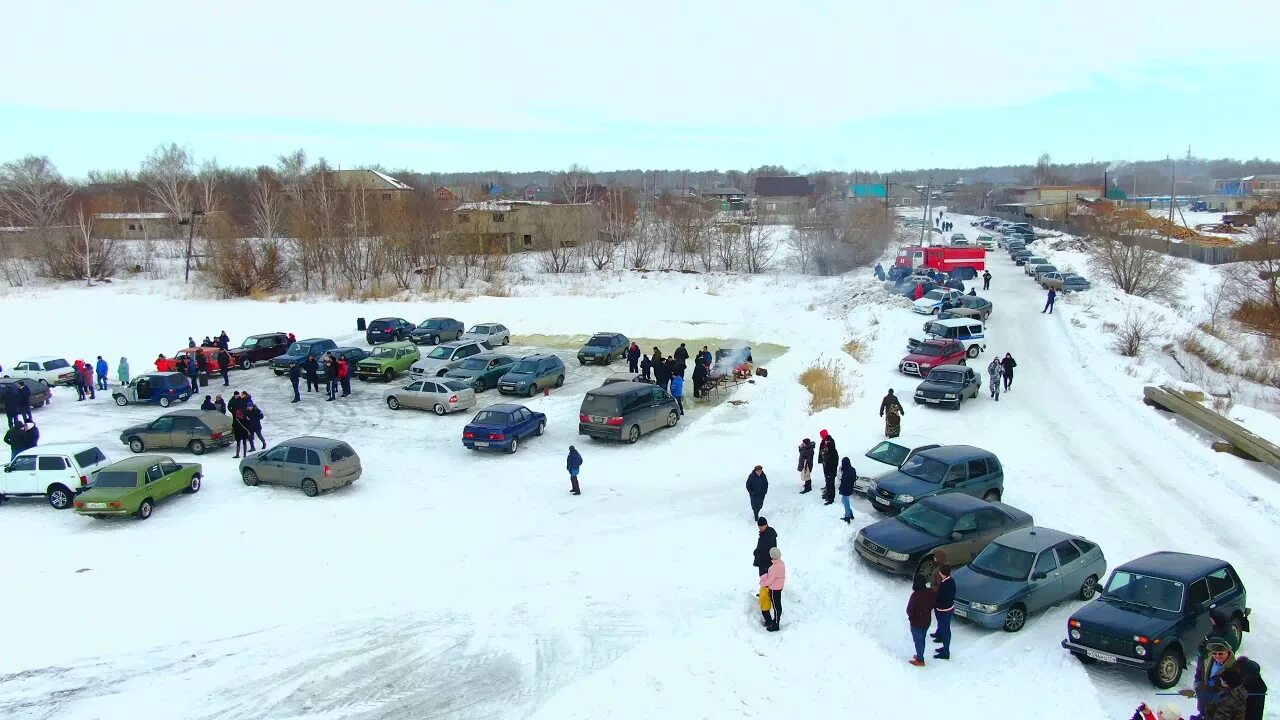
[[702, 85]]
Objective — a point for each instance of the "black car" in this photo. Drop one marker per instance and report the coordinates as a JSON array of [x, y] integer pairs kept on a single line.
[[960, 525], [948, 385], [259, 348], [434, 331], [388, 329], [353, 356], [1154, 611]]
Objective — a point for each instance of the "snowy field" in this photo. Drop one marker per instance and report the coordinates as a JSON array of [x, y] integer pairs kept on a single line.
[[449, 584]]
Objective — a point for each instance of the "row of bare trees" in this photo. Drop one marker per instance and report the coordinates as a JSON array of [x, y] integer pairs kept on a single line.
[[838, 240]]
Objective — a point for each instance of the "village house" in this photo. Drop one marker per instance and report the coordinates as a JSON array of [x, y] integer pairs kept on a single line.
[[731, 198], [1243, 194], [132, 225], [378, 185], [510, 226], [782, 197], [1046, 202]]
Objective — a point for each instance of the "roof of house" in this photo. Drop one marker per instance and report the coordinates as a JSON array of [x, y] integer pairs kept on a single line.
[[723, 191], [133, 216], [792, 186], [496, 205], [369, 177]]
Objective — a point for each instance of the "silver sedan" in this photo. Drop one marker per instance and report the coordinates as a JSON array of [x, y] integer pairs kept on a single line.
[[439, 395], [493, 333]]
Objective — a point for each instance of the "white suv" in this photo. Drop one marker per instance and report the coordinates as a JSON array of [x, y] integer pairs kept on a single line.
[[52, 370], [58, 472]]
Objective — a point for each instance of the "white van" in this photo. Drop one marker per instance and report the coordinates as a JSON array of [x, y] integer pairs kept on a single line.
[[58, 472]]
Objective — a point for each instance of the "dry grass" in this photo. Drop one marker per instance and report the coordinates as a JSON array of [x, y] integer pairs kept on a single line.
[[826, 389], [856, 349], [1211, 358], [498, 288], [375, 291]]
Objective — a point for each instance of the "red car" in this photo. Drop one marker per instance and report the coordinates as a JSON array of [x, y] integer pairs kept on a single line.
[[210, 356], [930, 354]]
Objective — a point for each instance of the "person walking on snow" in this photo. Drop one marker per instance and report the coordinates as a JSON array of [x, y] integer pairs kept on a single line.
[[122, 370], [101, 368], [995, 371], [829, 458], [344, 376], [224, 366], [1048, 303], [774, 579], [848, 476], [757, 487], [313, 373], [573, 465], [943, 609], [986, 279], [633, 358], [295, 374], [891, 411], [1009, 364], [805, 466], [918, 607], [767, 541], [254, 415], [677, 391]]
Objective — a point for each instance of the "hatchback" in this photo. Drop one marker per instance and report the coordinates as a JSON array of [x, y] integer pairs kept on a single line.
[[532, 374], [446, 357], [387, 329], [625, 411], [195, 430], [312, 464], [958, 525], [436, 330], [162, 388], [604, 348], [482, 371]]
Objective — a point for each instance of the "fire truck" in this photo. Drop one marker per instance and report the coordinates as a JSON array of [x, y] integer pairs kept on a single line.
[[963, 263]]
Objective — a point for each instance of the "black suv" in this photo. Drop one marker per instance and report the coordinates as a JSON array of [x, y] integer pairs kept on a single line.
[[388, 329], [949, 385], [1154, 612], [434, 331]]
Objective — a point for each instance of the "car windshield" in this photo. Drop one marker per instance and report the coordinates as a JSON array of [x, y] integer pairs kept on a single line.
[[115, 479], [525, 366], [383, 352], [1004, 562], [889, 453], [931, 350], [300, 349], [251, 343], [454, 385], [599, 341], [490, 417], [948, 377], [934, 328], [479, 330], [927, 520], [1153, 592], [935, 295], [474, 364], [924, 468], [441, 353], [432, 324]]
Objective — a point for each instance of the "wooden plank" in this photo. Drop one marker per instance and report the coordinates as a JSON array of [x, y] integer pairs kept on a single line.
[[1242, 440]]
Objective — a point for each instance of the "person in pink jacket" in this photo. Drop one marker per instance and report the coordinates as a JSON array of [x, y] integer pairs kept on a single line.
[[774, 580]]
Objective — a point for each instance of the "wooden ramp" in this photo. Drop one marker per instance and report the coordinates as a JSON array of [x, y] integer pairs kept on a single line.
[[1238, 440]]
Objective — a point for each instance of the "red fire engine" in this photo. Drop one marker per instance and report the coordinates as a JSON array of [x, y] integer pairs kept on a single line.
[[964, 263]]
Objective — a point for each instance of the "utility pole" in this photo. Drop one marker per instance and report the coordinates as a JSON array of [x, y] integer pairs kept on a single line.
[[928, 211], [1173, 185]]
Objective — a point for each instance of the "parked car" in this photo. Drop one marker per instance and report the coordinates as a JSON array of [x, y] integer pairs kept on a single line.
[[968, 332], [502, 427], [387, 361], [162, 388], [987, 242], [52, 370], [446, 357], [39, 389], [944, 470], [983, 306], [496, 334], [195, 430], [959, 240], [960, 525], [948, 385], [626, 377], [298, 352], [311, 464], [259, 349], [935, 301], [906, 287], [604, 348], [625, 411], [210, 357], [1013, 245], [436, 330], [56, 472], [134, 485], [1040, 270], [1024, 572], [531, 374], [892, 452], [439, 395], [387, 329], [353, 355], [1064, 282], [1032, 263], [931, 354], [1019, 257], [482, 371], [1154, 611]]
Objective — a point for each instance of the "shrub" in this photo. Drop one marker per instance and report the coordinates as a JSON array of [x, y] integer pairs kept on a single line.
[[1211, 358], [856, 349], [826, 389], [1133, 336], [242, 268]]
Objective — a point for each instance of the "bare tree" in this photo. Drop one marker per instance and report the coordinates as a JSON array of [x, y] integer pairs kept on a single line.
[[169, 179], [1136, 270], [209, 181], [575, 184], [33, 192], [645, 241], [758, 247], [1253, 286], [727, 241], [1134, 335], [621, 220], [266, 207], [74, 253]]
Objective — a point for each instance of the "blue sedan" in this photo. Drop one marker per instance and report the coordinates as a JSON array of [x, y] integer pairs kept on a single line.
[[502, 427], [1026, 571]]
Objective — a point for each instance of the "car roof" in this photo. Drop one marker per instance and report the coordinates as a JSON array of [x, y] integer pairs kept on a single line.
[[955, 504], [390, 318], [1033, 539], [1173, 565], [954, 322], [951, 453], [314, 442], [620, 388], [535, 356], [438, 318], [490, 356], [163, 375], [269, 334], [459, 343], [940, 342], [190, 412], [59, 447], [621, 375], [137, 462], [393, 344], [316, 339], [961, 368], [41, 358], [349, 348], [504, 408]]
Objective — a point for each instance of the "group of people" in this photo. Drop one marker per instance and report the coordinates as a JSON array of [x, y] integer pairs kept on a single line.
[[669, 372], [933, 595], [337, 372], [1000, 373], [17, 403], [22, 436], [91, 377], [246, 419]]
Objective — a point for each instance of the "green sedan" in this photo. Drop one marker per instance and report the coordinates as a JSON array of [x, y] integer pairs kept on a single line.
[[135, 485], [482, 371]]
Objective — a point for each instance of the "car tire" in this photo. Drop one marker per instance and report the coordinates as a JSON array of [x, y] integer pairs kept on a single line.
[[506, 340], [193, 487], [608, 359], [1235, 634], [165, 402], [196, 447], [515, 445], [533, 389], [279, 373], [673, 418], [581, 361], [919, 401], [145, 508], [440, 409], [442, 372], [973, 351], [991, 495], [560, 381], [936, 311], [926, 567], [136, 444], [246, 364], [1168, 669], [59, 497], [393, 403], [959, 401], [388, 375], [121, 400], [542, 427], [249, 477], [634, 435], [1015, 619], [1088, 588], [310, 488]]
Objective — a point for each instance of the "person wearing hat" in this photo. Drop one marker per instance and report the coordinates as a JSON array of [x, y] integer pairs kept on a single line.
[[1207, 685], [919, 605], [573, 464], [767, 541], [805, 465], [757, 487], [1230, 701], [829, 457], [774, 579]]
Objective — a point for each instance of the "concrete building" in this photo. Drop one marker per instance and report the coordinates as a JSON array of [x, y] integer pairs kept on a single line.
[[133, 225], [516, 225], [1243, 194]]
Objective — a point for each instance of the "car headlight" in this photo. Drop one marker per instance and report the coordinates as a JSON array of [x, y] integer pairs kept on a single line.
[[1139, 650], [951, 396], [900, 557], [873, 486], [905, 498], [1075, 634], [920, 392], [983, 607]]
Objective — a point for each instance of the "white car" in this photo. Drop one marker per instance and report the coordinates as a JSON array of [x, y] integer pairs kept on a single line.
[[934, 300], [988, 242], [57, 472], [446, 357], [493, 333], [51, 370], [970, 332]]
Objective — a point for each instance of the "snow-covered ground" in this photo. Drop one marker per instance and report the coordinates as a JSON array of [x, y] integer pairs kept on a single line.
[[450, 584]]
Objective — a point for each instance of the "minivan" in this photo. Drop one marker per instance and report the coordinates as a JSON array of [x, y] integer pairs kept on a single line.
[[625, 411], [57, 471], [531, 374]]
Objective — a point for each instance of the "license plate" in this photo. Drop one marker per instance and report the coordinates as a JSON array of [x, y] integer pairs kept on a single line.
[[959, 612], [96, 506], [1104, 657], [881, 500], [508, 387], [481, 444], [931, 400], [597, 418]]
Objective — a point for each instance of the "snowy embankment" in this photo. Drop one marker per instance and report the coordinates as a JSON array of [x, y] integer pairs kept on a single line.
[[453, 584]]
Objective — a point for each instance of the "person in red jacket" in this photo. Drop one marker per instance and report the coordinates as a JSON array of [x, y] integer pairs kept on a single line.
[[919, 291], [344, 376], [918, 609]]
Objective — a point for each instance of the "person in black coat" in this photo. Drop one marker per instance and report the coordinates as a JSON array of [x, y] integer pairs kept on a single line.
[[235, 403], [208, 405], [24, 401], [202, 369], [889, 399], [313, 373], [757, 487], [681, 354], [254, 416], [699, 378], [768, 539], [11, 408], [633, 358], [224, 366], [848, 476], [805, 465], [646, 367], [661, 372], [295, 374], [1009, 364], [829, 457], [1254, 685]]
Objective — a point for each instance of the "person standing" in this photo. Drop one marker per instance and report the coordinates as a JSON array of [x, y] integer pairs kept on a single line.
[[202, 370], [191, 342], [24, 401], [633, 358], [219, 404], [848, 478], [995, 373], [1048, 303], [254, 415], [681, 354], [573, 464], [918, 607], [767, 540], [1008, 363], [235, 403], [21, 437], [224, 340], [829, 457], [646, 366], [699, 376], [331, 371], [208, 405], [344, 376], [11, 407], [986, 279], [774, 579], [193, 372], [677, 391], [101, 368], [224, 366], [805, 465], [86, 371], [757, 488], [295, 374], [943, 609], [239, 428], [1254, 686], [77, 379], [122, 370], [661, 370], [313, 373]]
